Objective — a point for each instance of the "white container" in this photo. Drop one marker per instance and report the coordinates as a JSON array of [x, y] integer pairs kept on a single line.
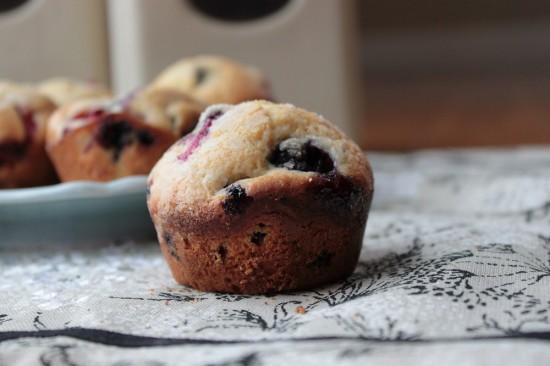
[[308, 48], [46, 38]]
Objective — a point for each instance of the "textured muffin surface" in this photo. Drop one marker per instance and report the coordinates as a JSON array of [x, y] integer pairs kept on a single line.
[[261, 198], [103, 139], [215, 79], [64, 90], [23, 116]]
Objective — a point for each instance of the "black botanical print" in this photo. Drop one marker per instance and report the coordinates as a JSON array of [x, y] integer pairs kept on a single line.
[[4, 318], [460, 254]]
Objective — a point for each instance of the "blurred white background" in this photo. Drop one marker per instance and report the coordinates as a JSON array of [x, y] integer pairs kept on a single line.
[[394, 74]]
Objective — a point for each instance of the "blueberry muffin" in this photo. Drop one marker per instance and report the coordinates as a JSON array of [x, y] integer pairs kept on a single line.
[[261, 198], [215, 79], [104, 139], [62, 90], [23, 116]]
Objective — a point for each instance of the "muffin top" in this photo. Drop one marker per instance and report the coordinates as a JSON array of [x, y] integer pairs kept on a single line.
[[165, 109], [253, 147], [64, 90], [215, 79], [23, 113]]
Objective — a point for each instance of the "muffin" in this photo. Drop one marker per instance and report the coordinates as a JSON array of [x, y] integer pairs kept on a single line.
[[63, 90], [23, 116], [104, 139], [261, 198], [214, 79]]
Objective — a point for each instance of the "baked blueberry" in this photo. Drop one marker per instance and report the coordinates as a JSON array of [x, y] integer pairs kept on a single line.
[[145, 137], [258, 237], [200, 75], [302, 155], [236, 200], [114, 134]]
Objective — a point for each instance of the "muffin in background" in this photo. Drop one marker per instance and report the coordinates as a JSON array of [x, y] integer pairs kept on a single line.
[[104, 139], [23, 117], [215, 79], [64, 90]]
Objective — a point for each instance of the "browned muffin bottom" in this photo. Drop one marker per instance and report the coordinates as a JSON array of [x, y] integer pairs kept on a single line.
[[270, 239], [294, 223]]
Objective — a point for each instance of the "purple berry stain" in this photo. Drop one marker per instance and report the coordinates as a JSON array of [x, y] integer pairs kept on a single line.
[[184, 139], [237, 200], [88, 115], [197, 138], [27, 117]]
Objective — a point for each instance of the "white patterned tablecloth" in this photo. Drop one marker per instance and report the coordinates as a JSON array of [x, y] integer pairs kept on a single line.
[[455, 269]]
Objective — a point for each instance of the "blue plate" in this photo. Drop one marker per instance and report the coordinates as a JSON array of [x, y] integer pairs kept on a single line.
[[76, 212]]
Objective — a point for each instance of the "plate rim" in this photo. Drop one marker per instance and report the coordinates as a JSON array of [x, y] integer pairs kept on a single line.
[[75, 190]]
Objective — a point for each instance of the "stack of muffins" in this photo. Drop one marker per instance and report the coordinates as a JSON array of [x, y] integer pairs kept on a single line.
[[78, 131]]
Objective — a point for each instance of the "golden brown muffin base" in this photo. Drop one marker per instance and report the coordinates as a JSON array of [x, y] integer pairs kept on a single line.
[[32, 169], [313, 236]]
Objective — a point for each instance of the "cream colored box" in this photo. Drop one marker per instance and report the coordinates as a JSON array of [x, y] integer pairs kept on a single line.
[[308, 48], [46, 38]]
